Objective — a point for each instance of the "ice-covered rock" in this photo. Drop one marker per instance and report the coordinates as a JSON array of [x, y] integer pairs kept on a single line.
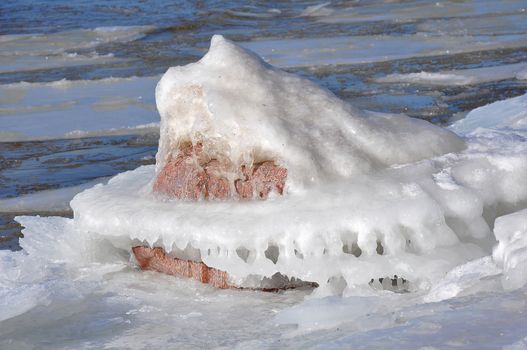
[[242, 112], [365, 194], [511, 251]]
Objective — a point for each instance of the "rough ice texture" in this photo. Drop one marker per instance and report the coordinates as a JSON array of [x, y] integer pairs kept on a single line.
[[367, 195], [82, 280], [244, 112], [511, 251], [509, 114]]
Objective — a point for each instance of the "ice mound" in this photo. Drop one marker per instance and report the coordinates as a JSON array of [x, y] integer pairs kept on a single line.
[[364, 195], [244, 112], [511, 252]]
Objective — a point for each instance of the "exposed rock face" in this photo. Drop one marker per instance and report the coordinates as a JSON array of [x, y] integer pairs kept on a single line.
[[260, 179], [157, 260], [193, 175], [234, 128]]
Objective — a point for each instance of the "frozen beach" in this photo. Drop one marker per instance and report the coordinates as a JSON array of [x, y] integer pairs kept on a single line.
[[438, 198]]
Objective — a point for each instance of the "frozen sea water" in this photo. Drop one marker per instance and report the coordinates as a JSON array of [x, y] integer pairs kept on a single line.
[[72, 293]]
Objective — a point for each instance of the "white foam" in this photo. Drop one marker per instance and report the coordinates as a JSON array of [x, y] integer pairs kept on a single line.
[[458, 77], [68, 109]]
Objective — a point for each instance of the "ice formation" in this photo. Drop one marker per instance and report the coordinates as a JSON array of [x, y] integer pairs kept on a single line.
[[367, 195], [507, 114], [243, 111], [511, 252]]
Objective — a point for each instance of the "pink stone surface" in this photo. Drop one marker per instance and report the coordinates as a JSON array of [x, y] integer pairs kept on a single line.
[[260, 180], [156, 259], [190, 175]]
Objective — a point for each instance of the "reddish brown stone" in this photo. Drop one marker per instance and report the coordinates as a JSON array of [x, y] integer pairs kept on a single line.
[[260, 180], [180, 178], [157, 260], [216, 186], [191, 175]]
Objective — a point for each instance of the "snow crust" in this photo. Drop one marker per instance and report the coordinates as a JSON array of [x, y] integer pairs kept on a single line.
[[368, 195], [460, 76]]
